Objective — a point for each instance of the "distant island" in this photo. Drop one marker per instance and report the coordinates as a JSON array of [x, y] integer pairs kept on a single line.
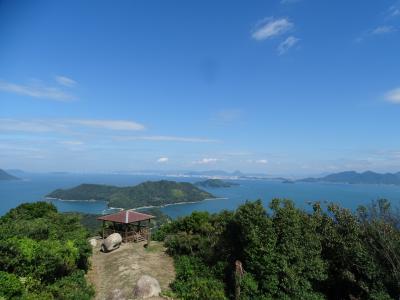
[[149, 193], [6, 176], [215, 183], [353, 177]]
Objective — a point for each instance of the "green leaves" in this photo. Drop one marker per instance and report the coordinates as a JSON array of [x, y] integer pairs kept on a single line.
[[42, 249], [289, 253]]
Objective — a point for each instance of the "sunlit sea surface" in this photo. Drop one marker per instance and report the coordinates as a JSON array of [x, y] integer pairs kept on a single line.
[[34, 187]]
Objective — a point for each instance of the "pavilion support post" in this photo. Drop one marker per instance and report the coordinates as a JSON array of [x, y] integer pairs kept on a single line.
[[102, 234], [126, 233], [113, 227], [148, 234]]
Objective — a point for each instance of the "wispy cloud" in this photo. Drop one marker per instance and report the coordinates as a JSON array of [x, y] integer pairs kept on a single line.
[[206, 161], [287, 44], [383, 30], [271, 27], [36, 89], [163, 160], [110, 124], [393, 96], [65, 81], [67, 124], [167, 138], [71, 143], [262, 161], [394, 10]]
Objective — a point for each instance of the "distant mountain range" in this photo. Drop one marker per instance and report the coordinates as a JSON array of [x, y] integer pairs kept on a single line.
[[353, 177], [6, 176]]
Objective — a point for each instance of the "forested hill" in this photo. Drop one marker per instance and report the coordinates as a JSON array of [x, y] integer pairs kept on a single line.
[[149, 193], [353, 177], [5, 176], [215, 183]]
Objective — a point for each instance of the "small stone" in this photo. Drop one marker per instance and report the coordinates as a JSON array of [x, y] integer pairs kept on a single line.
[[93, 242], [116, 295]]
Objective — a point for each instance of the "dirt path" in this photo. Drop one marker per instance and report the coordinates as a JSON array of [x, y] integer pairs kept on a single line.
[[121, 268]]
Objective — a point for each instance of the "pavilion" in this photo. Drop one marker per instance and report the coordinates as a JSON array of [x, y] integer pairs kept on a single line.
[[131, 225]]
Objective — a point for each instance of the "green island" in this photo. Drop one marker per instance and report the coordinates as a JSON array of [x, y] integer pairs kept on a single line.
[[149, 193], [215, 183]]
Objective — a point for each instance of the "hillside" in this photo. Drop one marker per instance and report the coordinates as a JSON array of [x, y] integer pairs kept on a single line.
[[5, 176], [149, 193], [215, 183], [353, 177]]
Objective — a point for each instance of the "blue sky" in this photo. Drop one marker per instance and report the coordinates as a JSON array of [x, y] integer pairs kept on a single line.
[[280, 87]]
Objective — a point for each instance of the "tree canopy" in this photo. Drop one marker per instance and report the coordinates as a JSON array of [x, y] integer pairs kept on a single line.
[[286, 253]]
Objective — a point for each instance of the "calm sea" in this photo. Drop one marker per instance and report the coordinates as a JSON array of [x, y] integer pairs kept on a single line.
[[34, 187]]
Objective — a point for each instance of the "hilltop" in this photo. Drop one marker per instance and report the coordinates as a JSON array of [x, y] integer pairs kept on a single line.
[[149, 193], [6, 176], [353, 177]]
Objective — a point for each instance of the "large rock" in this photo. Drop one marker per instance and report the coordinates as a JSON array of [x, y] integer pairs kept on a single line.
[[146, 287], [113, 241]]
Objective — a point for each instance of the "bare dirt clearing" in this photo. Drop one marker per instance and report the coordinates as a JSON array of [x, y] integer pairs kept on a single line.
[[121, 268]]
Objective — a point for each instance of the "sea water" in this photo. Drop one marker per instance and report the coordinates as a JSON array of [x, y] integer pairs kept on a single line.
[[34, 187]]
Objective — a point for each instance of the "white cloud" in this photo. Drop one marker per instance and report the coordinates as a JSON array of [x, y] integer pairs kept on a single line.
[[111, 124], [206, 161], [383, 29], [36, 90], [262, 161], [65, 81], [163, 160], [166, 138], [271, 27], [287, 44], [393, 96]]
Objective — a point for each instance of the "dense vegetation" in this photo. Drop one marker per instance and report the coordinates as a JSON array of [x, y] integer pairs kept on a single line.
[[43, 254], [352, 177], [215, 183], [149, 193], [5, 176], [286, 253]]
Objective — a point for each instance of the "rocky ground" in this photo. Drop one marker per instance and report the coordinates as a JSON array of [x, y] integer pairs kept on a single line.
[[121, 269]]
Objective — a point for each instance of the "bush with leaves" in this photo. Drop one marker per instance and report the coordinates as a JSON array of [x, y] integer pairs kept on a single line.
[[43, 254]]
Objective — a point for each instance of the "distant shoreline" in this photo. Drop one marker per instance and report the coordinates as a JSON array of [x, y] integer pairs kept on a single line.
[[136, 208]]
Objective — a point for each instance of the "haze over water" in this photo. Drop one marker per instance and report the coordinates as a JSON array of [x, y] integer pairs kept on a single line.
[[34, 187]]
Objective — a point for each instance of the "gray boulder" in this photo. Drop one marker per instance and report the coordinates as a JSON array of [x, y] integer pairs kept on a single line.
[[112, 242], [146, 287]]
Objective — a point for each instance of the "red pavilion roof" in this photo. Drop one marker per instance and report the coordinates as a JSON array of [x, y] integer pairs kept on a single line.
[[126, 217]]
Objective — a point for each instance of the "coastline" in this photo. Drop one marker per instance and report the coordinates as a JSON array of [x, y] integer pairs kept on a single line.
[[136, 208]]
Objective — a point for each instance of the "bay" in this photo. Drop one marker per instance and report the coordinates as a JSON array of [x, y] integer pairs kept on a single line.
[[34, 187]]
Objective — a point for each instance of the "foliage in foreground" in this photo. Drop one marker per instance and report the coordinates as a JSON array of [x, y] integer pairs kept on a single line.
[[43, 254], [286, 253]]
